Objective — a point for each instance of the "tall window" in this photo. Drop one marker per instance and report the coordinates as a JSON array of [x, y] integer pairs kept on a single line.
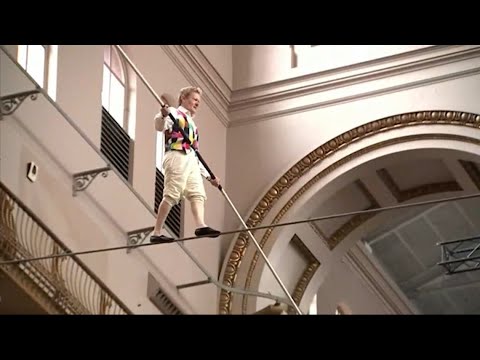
[[33, 59], [116, 137], [114, 86], [40, 61]]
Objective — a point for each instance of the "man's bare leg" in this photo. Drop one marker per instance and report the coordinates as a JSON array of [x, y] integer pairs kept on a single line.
[[162, 213], [198, 211]]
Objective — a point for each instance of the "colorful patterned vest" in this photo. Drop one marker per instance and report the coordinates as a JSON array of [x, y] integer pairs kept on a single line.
[[174, 139]]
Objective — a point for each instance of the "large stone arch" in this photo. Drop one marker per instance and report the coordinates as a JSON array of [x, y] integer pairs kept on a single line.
[[327, 158]]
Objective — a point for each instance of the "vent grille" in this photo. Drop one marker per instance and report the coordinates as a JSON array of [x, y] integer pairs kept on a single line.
[[115, 144], [160, 299]]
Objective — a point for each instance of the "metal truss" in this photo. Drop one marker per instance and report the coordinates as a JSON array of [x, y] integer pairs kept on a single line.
[[460, 255]]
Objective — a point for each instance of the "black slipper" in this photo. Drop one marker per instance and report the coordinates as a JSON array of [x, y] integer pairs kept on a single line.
[[207, 231], [159, 239]]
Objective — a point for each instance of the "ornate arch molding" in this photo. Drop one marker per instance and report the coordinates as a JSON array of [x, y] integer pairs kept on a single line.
[[297, 171]]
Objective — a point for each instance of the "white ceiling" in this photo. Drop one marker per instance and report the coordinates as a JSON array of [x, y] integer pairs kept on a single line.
[[410, 255], [406, 242]]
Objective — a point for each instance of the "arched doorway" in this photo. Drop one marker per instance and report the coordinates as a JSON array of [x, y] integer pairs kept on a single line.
[[427, 138]]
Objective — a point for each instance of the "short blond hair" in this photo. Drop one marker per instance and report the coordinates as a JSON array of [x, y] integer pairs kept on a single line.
[[186, 91]]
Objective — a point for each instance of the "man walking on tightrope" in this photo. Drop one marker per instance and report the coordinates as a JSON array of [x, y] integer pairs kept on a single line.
[[182, 169]]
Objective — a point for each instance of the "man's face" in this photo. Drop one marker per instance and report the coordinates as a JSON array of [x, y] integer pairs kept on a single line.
[[191, 102]]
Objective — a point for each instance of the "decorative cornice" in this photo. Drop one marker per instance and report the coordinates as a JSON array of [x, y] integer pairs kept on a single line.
[[345, 78], [407, 194], [208, 72], [229, 104], [352, 74], [312, 266], [320, 154], [199, 72]]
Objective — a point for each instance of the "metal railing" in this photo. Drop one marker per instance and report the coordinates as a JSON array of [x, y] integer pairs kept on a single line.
[[67, 281]]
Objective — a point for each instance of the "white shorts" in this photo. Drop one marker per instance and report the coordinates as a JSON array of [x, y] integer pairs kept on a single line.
[[183, 178]]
